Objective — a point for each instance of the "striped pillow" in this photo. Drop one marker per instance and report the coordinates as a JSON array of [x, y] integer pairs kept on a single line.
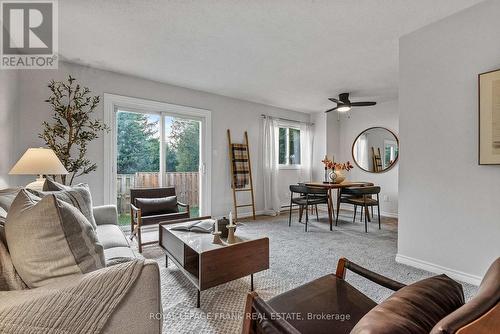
[[50, 239], [79, 196]]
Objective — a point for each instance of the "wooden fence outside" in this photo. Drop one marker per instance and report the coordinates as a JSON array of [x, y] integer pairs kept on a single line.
[[186, 187]]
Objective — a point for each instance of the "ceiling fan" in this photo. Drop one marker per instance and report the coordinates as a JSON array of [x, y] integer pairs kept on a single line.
[[344, 105]]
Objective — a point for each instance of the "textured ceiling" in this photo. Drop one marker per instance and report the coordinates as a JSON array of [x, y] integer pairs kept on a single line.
[[287, 53]]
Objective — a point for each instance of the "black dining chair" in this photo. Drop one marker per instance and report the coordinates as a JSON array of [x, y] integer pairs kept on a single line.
[[363, 197], [314, 207], [307, 196]]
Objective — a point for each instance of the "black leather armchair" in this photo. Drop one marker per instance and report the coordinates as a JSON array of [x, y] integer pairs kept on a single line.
[[149, 206]]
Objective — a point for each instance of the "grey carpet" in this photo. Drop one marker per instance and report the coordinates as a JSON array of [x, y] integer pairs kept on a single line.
[[296, 257]]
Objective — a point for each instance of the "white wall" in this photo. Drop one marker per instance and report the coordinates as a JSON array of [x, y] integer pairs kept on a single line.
[[448, 205], [319, 148], [332, 136], [8, 122], [385, 115], [227, 113]]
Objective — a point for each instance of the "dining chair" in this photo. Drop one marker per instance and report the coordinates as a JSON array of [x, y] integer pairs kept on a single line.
[[315, 207], [363, 197], [307, 196]]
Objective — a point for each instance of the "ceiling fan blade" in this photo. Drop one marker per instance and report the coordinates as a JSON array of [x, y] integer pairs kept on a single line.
[[334, 100], [363, 104], [331, 109]]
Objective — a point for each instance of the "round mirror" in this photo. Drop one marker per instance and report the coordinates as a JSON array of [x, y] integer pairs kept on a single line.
[[375, 150]]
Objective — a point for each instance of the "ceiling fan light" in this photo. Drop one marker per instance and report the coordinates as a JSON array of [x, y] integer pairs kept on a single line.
[[344, 108]]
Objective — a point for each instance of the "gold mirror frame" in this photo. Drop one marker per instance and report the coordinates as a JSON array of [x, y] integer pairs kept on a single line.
[[356, 139]]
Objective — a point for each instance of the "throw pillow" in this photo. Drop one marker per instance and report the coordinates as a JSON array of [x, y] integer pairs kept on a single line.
[[9, 279], [7, 196], [415, 308], [50, 239], [157, 206], [3, 217], [51, 185], [79, 196]]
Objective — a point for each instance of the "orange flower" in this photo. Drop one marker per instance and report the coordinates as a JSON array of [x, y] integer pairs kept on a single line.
[[337, 165]]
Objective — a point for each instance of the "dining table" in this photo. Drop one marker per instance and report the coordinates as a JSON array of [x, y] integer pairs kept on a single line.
[[338, 186]]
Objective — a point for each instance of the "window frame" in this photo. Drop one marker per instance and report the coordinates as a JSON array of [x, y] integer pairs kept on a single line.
[[113, 102], [288, 126]]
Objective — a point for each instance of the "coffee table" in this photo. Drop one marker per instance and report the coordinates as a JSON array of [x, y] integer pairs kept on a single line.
[[207, 264]]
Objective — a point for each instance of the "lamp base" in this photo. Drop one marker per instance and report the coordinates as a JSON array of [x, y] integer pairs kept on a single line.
[[37, 185]]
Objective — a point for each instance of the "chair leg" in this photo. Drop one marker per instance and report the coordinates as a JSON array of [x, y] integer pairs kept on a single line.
[[366, 220], [330, 216], [132, 232], [339, 194], [290, 213], [139, 239], [131, 224], [301, 212], [307, 215], [378, 211], [361, 215], [317, 215], [355, 211], [337, 217]]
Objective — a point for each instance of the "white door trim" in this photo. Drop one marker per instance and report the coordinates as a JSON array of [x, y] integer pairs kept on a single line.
[[111, 104]]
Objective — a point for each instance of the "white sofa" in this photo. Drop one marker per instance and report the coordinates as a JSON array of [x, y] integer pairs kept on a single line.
[[140, 311]]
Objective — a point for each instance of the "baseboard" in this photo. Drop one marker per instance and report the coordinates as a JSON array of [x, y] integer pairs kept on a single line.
[[382, 213], [285, 209], [434, 268], [249, 214], [246, 214], [389, 214]]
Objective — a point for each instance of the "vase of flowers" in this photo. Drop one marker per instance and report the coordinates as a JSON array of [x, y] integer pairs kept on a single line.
[[337, 170]]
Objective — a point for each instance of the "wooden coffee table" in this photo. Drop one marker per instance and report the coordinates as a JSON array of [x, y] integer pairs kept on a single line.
[[206, 264]]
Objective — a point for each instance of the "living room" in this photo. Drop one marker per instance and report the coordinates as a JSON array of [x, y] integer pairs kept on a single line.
[[262, 121]]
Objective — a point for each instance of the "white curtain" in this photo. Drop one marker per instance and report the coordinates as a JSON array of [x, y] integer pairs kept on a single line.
[[361, 148], [306, 149], [270, 163]]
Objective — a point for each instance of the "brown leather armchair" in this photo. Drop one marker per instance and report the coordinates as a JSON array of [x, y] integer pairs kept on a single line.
[[481, 314], [149, 206], [331, 294]]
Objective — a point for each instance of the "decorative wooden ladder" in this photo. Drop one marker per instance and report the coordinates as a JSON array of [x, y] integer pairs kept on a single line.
[[240, 165], [377, 160]]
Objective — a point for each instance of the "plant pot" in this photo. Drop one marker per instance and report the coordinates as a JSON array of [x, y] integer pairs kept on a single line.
[[337, 176]]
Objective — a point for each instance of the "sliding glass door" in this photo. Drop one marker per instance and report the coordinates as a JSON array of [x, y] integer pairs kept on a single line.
[[182, 159], [157, 150]]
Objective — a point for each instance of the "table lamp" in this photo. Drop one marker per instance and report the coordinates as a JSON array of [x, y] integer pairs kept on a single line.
[[38, 161]]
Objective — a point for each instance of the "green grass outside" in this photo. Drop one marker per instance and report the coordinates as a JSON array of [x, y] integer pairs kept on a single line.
[[124, 219]]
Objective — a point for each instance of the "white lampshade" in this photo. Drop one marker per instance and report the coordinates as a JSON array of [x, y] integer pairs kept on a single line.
[[39, 161]]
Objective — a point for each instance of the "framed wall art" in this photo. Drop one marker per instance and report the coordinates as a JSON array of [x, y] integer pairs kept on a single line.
[[489, 118]]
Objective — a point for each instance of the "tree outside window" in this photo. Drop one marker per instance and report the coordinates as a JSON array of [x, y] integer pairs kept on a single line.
[[289, 146], [138, 144]]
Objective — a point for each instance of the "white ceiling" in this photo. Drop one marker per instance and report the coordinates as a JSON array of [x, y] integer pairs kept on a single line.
[[286, 53]]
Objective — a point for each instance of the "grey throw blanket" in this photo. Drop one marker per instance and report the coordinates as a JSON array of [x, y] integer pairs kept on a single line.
[[81, 304]]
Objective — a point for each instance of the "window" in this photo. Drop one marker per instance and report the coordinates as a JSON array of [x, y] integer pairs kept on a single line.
[[174, 140], [289, 146], [143, 140], [391, 152]]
